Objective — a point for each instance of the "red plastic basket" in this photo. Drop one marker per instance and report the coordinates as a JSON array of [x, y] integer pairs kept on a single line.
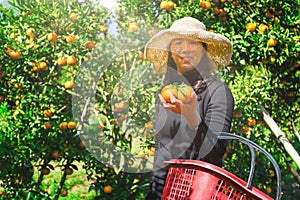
[[198, 180], [193, 179]]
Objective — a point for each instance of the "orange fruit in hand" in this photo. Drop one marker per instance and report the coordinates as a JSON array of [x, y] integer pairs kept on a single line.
[[52, 37], [107, 189], [165, 92], [185, 92], [182, 92]]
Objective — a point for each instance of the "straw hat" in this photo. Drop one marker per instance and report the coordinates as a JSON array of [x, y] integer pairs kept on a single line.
[[219, 48]]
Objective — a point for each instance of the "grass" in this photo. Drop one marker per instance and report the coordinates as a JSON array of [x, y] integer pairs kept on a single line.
[[76, 184]]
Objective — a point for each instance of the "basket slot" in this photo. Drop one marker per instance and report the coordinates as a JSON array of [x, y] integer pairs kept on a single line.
[[225, 191], [179, 183]]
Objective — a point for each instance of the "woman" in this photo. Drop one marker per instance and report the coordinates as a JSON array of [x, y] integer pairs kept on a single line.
[[187, 53]]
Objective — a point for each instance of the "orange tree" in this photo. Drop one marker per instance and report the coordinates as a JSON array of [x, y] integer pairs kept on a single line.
[[72, 75]]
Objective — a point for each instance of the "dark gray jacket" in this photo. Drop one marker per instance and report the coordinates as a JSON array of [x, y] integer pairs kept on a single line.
[[174, 139]]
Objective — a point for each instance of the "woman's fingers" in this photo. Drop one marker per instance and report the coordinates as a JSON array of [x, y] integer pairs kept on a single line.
[[172, 98]]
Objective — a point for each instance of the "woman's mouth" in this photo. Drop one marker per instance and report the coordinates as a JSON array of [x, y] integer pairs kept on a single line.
[[187, 59]]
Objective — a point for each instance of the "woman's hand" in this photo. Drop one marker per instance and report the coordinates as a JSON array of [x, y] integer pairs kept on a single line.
[[188, 110]]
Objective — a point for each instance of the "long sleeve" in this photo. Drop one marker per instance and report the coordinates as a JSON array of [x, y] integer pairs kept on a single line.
[[216, 111]]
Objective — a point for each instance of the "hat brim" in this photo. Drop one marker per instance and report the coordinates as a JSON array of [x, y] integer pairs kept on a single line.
[[219, 48]]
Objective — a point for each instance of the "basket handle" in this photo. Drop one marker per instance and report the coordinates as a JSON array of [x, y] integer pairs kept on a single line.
[[252, 145]]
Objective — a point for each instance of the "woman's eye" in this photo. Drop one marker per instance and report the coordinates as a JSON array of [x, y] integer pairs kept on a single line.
[[177, 43]]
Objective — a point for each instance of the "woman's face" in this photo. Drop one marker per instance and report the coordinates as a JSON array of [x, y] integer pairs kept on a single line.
[[186, 53]]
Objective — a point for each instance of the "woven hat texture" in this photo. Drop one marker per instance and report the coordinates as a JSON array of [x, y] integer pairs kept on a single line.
[[219, 48]]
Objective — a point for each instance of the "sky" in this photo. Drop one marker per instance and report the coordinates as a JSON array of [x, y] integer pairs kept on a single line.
[[109, 4]]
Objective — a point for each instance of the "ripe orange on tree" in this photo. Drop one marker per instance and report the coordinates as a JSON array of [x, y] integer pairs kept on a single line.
[[268, 190], [149, 125], [262, 28], [30, 32], [141, 154], [151, 151], [251, 121], [268, 14], [73, 16], [63, 125], [2, 74], [272, 42], [45, 171], [103, 29], [69, 85], [52, 37], [71, 125], [171, 5], [216, 11], [90, 44], [69, 171], [47, 125], [71, 60], [64, 193], [250, 27], [207, 5], [71, 38], [14, 55], [48, 113], [120, 106], [55, 155], [164, 5], [62, 61], [133, 26], [245, 129], [42, 66], [107, 189]]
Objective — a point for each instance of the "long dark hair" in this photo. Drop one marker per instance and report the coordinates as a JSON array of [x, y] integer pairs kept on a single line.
[[199, 78]]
